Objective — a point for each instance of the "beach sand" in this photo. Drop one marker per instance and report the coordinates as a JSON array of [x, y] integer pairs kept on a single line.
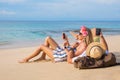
[[10, 69]]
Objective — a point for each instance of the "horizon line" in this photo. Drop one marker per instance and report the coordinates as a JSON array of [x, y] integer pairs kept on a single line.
[[57, 20]]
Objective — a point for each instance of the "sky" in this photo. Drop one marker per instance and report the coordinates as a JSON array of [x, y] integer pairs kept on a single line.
[[66, 10]]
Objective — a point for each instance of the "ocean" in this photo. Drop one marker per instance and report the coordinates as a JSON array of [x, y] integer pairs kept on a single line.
[[31, 33]]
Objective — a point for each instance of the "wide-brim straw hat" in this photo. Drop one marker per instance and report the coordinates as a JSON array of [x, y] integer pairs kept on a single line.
[[95, 50]]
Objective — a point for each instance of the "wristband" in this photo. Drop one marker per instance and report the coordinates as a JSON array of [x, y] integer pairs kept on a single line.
[[65, 47]]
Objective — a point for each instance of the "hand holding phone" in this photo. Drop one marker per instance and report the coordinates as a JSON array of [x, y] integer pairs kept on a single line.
[[63, 35]]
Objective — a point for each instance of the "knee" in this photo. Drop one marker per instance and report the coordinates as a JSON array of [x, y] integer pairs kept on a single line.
[[47, 38], [41, 46]]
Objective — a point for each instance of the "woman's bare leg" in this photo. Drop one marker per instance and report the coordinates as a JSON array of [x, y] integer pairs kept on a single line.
[[49, 42], [42, 57], [43, 48]]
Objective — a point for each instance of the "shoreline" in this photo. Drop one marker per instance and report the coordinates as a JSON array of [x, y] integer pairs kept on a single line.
[[112, 41], [35, 43]]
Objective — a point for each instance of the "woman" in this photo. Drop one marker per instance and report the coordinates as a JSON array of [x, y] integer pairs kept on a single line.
[[55, 52], [85, 39]]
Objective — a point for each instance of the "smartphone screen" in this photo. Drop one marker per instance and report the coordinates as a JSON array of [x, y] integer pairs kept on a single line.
[[63, 35], [98, 31]]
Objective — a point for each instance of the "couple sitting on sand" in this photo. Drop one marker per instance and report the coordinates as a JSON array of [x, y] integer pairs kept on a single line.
[[70, 52]]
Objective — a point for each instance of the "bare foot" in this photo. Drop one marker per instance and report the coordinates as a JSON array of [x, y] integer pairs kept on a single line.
[[23, 61]]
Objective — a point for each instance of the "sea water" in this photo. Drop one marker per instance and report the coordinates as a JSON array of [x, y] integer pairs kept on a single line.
[[29, 33]]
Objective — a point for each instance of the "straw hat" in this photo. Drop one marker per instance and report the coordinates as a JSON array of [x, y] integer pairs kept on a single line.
[[95, 50]]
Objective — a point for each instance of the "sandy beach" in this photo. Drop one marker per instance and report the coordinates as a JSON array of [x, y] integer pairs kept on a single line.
[[10, 69]]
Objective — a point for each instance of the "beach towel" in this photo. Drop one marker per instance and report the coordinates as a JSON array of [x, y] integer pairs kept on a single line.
[[109, 60], [87, 62]]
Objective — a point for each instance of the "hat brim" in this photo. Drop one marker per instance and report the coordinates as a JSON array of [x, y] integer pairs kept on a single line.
[[91, 45]]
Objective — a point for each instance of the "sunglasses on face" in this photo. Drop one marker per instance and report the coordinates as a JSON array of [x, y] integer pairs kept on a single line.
[[80, 33]]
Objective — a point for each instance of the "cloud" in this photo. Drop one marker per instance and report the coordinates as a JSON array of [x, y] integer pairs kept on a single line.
[[11, 1], [106, 1], [5, 12]]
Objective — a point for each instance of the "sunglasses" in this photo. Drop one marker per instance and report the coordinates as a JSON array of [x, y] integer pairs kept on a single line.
[[80, 33]]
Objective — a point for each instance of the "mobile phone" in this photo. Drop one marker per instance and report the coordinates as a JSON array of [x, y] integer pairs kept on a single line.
[[63, 35], [98, 31]]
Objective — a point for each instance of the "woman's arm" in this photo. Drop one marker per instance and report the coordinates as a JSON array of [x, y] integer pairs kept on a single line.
[[65, 38], [103, 41], [74, 34], [76, 44], [80, 49]]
